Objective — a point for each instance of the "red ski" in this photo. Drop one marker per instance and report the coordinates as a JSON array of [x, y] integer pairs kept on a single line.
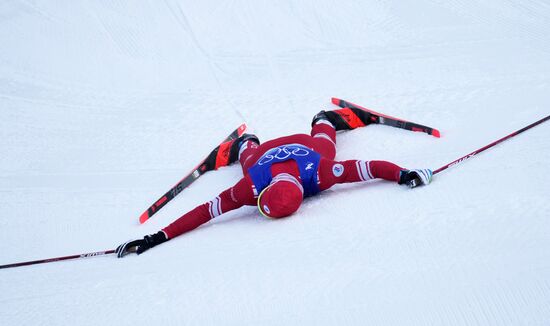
[[212, 162], [388, 120]]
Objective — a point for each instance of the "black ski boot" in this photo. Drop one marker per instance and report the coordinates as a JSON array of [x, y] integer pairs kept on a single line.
[[346, 118], [228, 153], [237, 143]]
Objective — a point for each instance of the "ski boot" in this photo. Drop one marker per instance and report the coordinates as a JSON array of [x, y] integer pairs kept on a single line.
[[346, 118], [416, 177], [238, 143], [228, 153]]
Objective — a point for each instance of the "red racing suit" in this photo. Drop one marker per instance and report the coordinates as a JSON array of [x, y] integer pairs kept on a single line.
[[322, 140]]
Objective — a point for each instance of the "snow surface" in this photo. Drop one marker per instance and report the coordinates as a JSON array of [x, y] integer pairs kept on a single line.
[[104, 105]]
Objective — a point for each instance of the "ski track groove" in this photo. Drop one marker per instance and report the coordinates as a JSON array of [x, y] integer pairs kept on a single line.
[[184, 23], [125, 38], [506, 15], [40, 11]]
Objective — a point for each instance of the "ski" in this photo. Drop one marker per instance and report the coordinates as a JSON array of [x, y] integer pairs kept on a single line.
[[212, 162], [388, 120]]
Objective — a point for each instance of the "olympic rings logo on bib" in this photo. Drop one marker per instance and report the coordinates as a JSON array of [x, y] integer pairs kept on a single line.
[[282, 153]]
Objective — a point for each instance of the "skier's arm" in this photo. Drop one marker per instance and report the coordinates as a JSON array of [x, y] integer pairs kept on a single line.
[[235, 197], [333, 172], [238, 195]]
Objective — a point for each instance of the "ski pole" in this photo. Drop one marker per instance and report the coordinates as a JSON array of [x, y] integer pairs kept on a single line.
[[51, 260], [465, 157]]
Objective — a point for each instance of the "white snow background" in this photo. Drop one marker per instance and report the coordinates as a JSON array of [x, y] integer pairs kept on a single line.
[[104, 105]]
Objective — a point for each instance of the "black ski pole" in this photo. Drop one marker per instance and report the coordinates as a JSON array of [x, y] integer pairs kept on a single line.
[[465, 157], [51, 260]]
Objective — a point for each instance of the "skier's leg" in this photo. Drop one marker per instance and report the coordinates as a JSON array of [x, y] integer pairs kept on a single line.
[[324, 138], [247, 151]]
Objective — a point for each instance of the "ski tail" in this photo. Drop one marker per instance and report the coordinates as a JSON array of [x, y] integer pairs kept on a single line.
[[204, 166], [389, 120]]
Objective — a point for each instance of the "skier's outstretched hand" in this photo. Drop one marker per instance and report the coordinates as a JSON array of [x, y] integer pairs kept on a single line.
[[416, 177], [141, 245]]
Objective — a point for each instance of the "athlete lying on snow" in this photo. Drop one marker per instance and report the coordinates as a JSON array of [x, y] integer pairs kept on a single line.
[[279, 173]]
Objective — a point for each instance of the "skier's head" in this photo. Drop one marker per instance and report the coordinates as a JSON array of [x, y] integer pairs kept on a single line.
[[282, 197]]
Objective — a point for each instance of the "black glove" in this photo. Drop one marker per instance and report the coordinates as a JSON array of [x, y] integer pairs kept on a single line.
[[141, 245], [415, 178]]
